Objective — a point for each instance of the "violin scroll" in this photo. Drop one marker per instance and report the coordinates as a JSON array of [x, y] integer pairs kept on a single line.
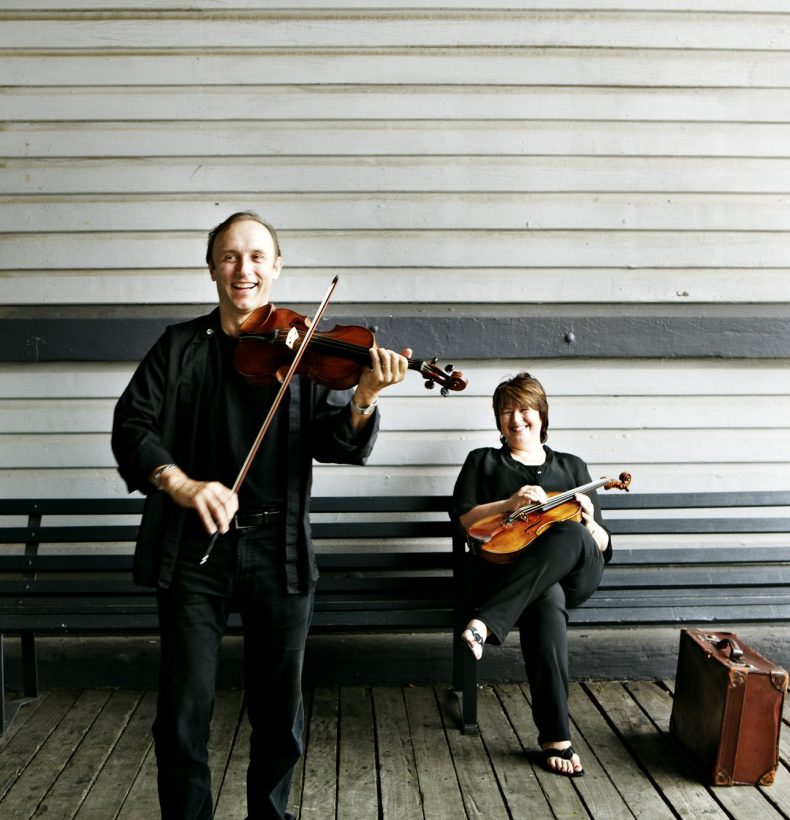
[[622, 484], [449, 378]]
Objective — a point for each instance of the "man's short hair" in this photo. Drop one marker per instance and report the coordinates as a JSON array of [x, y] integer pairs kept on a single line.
[[239, 216]]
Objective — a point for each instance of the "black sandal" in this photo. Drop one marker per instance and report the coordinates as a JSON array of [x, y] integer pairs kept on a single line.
[[563, 754]]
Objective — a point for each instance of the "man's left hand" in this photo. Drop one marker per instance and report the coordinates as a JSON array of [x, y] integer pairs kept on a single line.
[[386, 368]]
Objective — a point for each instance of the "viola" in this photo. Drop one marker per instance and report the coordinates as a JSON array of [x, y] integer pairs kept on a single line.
[[501, 538], [270, 337]]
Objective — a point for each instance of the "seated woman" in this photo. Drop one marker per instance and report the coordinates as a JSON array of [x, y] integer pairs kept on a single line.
[[559, 570]]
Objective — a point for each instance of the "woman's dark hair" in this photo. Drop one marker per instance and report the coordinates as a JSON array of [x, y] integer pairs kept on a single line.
[[239, 216], [522, 390]]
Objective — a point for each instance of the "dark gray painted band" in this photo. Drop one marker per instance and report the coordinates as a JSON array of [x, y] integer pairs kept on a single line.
[[755, 334]]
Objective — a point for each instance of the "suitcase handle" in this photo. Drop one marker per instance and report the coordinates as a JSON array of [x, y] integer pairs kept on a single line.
[[736, 653]]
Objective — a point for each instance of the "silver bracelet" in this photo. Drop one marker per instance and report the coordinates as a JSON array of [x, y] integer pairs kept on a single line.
[[363, 410], [156, 479]]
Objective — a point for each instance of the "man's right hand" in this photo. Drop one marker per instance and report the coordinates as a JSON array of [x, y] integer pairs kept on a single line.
[[214, 503]]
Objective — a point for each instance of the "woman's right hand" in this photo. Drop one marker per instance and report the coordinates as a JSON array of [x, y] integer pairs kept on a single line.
[[528, 494]]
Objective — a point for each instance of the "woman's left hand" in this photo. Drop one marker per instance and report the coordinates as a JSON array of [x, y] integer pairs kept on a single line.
[[588, 513], [588, 519]]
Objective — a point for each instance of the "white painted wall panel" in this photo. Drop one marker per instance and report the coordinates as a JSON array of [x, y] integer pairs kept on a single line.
[[336, 28], [577, 153], [453, 138], [546, 285], [384, 102], [673, 425], [205, 176], [524, 5], [380, 250]]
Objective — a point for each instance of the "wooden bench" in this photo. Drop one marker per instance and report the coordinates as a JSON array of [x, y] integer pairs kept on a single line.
[[385, 562], [392, 564]]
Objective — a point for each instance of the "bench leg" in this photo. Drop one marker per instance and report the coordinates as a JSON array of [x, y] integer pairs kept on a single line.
[[9, 709], [29, 665], [465, 684]]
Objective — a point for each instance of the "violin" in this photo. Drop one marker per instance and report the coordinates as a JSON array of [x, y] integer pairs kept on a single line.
[[276, 344], [270, 336], [500, 539]]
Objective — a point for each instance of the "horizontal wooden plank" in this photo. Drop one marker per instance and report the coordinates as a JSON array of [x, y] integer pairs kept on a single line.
[[393, 211], [712, 579], [596, 379], [68, 534], [526, 5], [515, 250], [462, 65], [142, 618], [388, 504], [256, 28], [405, 479], [464, 411], [756, 555], [416, 449], [656, 446], [398, 557], [700, 612], [397, 174], [672, 526], [392, 137], [765, 333], [701, 499], [385, 104], [424, 285], [102, 565]]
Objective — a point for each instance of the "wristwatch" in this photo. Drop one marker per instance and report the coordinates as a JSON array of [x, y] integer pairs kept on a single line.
[[363, 410]]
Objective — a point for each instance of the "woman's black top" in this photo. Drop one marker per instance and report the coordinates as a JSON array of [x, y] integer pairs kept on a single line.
[[492, 474]]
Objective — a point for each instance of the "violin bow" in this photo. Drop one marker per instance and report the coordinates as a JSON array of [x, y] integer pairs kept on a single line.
[[275, 404]]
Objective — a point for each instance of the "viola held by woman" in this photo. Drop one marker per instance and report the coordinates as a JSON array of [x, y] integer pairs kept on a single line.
[[501, 538]]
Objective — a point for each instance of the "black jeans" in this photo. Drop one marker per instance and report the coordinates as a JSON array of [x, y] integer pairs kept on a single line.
[[558, 571], [244, 573]]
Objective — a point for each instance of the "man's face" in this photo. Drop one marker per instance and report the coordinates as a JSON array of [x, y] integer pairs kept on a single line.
[[244, 266]]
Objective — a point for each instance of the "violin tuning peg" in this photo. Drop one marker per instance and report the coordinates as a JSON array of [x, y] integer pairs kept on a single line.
[[429, 385], [448, 368], [445, 391]]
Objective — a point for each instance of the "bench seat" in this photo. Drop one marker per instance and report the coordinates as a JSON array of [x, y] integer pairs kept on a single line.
[[393, 563]]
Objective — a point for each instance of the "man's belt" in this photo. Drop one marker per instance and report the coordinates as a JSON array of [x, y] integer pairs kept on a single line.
[[245, 520]]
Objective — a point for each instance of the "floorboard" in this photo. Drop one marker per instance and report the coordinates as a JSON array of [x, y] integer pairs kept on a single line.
[[382, 753], [357, 784]]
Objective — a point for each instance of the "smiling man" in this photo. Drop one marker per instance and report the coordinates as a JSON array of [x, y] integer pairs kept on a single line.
[[182, 429], [244, 259]]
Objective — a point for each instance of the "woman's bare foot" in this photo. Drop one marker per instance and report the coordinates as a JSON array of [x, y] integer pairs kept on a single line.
[[474, 636], [560, 758]]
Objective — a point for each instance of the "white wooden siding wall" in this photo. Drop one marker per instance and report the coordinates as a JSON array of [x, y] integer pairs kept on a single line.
[[559, 152]]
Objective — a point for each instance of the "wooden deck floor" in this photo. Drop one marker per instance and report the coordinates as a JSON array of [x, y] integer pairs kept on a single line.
[[380, 753]]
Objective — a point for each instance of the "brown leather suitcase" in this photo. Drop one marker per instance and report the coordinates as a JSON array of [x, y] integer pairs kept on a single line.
[[727, 709]]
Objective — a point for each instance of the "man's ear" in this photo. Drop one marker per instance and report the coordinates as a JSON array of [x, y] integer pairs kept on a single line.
[[277, 267], [211, 271]]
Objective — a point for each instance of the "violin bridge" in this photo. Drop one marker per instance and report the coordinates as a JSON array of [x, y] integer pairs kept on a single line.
[[290, 339]]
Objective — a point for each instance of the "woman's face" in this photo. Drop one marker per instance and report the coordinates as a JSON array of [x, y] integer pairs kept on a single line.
[[521, 427]]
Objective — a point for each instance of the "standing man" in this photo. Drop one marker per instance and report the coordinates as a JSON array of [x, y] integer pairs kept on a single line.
[[181, 432]]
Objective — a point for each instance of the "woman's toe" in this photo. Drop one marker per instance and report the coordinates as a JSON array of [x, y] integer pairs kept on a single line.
[[563, 761]]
